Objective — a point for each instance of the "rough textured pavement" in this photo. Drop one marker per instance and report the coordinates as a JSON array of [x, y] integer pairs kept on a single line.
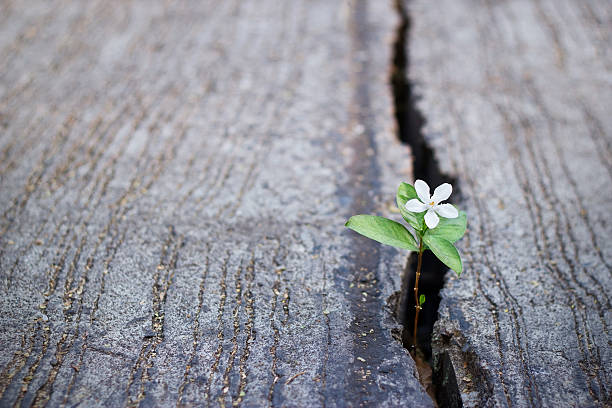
[[174, 179], [517, 98]]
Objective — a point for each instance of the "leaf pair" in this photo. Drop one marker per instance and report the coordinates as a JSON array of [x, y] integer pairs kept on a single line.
[[439, 240]]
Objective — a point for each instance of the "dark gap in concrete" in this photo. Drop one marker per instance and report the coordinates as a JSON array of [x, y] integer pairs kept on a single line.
[[410, 123]]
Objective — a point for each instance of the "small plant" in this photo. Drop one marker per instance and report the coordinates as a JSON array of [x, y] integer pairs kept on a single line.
[[437, 226]]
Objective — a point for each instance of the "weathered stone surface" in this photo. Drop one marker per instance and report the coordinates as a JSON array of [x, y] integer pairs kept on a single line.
[[174, 179], [517, 97]]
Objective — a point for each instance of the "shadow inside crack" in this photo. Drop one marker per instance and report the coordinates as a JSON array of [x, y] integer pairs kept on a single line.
[[410, 124]]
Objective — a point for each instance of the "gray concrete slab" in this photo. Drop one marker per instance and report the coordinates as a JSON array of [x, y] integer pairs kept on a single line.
[[517, 98], [174, 180]]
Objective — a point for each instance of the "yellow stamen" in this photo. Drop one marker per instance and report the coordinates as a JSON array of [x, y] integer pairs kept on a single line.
[[432, 203]]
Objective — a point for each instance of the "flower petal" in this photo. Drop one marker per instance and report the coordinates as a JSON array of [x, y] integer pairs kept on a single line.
[[415, 205], [446, 210], [422, 190], [431, 219], [442, 192]]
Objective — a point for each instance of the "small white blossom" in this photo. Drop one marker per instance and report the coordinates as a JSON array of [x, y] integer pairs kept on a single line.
[[431, 204]]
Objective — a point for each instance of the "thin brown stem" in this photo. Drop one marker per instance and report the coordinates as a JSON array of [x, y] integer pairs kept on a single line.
[[416, 292]]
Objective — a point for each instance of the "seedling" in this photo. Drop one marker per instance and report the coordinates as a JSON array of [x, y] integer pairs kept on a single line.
[[436, 226]]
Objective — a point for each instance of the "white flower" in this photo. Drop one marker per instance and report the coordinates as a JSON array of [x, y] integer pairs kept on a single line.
[[431, 204]]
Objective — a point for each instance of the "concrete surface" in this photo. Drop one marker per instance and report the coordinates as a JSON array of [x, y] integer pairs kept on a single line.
[[517, 98], [174, 180]]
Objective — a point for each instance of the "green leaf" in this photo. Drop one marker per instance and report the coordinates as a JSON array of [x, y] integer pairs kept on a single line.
[[445, 251], [383, 230], [451, 229], [406, 192], [421, 300]]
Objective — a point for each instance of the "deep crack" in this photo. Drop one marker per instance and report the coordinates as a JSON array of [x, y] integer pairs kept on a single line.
[[410, 124]]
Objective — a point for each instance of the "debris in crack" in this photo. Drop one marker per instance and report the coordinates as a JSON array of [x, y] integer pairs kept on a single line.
[[445, 376], [456, 383]]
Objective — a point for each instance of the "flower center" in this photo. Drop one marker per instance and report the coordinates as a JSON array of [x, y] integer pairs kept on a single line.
[[432, 203]]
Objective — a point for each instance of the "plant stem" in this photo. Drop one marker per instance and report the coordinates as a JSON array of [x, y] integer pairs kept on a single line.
[[416, 291]]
